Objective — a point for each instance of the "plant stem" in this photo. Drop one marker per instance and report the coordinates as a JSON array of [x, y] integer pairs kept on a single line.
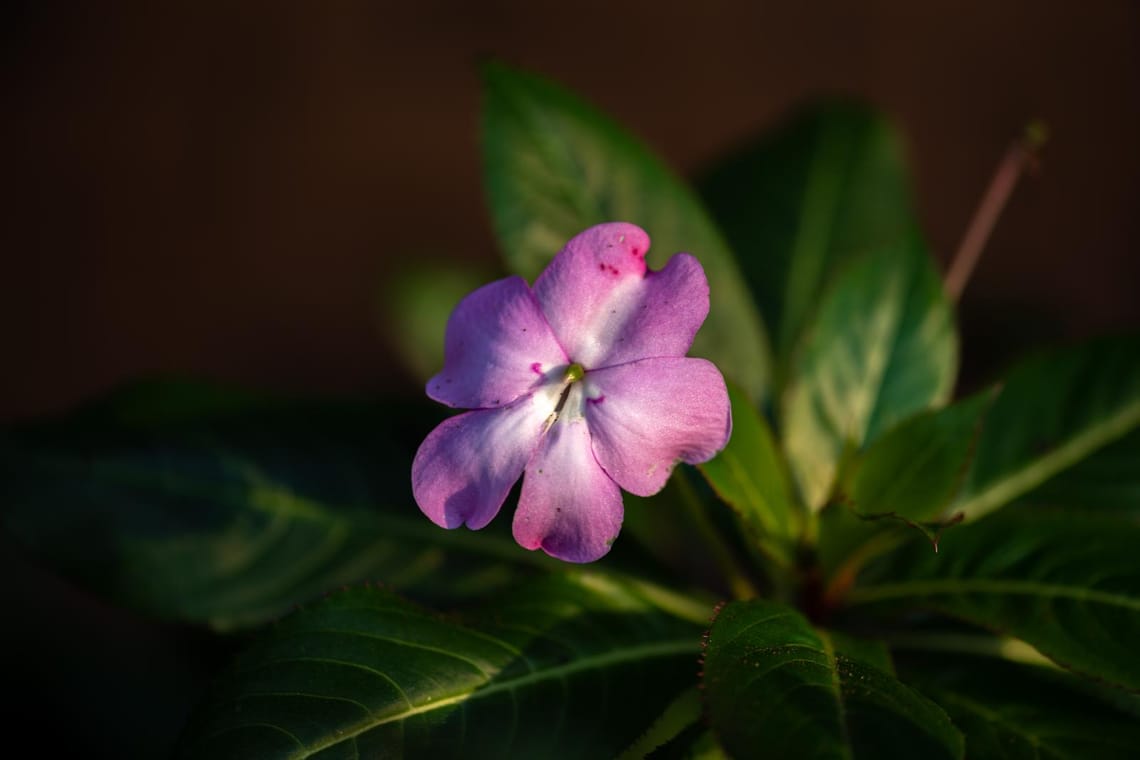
[[738, 581], [844, 577], [1021, 155]]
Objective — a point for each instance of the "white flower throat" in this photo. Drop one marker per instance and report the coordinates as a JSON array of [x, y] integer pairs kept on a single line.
[[568, 395]]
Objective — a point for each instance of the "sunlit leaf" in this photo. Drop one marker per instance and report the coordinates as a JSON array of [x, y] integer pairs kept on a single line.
[[881, 347], [554, 166], [776, 687], [572, 666], [415, 305], [828, 185]]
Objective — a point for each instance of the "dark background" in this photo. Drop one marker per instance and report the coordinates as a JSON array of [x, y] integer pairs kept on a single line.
[[218, 189]]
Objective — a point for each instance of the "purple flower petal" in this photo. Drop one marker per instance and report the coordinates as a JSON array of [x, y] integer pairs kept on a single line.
[[646, 415], [606, 308], [467, 465], [498, 346], [569, 507]]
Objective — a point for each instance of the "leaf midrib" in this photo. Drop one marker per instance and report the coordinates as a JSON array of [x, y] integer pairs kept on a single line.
[[828, 649], [886, 591], [1022, 479], [605, 659], [761, 507]]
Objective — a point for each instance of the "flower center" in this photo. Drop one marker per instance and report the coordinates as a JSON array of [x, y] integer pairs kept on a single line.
[[574, 373]]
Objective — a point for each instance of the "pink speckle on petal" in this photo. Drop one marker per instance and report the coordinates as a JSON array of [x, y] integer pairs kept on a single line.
[[632, 328]]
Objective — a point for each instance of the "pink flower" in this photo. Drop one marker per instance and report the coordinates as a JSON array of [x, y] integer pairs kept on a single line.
[[582, 382]]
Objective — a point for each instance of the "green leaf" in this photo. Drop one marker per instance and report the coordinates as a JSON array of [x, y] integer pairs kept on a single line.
[[1012, 711], [797, 204], [881, 347], [681, 715], [1066, 583], [906, 478], [554, 166], [914, 471], [195, 504], [1053, 411], [570, 666], [686, 529], [749, 476], [1109, 480], [414, 308], [916, 468], [774, 685]]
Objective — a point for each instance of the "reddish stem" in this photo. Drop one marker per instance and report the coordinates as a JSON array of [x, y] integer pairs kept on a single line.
[[1020, 156]]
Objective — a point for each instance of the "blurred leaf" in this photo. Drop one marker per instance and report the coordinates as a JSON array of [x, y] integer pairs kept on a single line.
[[1013, 711], [1068, 584], [749, 476], [1052, 412], [681, 714], [664, 526], [1109, 479], [916, 468], [774, 685], [882, 346], [554, 166], [685, 528], [208, 506], [696, 742], [570, 666], [796, 205], [416, 304]]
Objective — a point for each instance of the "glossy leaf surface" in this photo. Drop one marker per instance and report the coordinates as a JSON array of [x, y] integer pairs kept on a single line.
[[881, 347]]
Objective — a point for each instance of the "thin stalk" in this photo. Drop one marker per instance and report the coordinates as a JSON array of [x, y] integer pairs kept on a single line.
[[1020, 156], [725, 558]]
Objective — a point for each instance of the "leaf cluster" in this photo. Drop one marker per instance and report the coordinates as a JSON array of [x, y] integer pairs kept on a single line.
[[899, 573]]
